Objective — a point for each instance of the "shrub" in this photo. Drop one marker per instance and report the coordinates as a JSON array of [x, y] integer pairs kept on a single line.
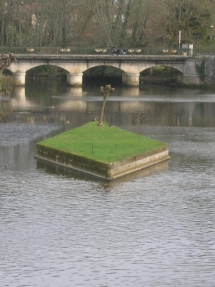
[[6, 83]]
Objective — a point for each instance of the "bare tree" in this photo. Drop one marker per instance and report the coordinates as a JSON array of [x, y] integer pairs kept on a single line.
[[192, 17], [103, 15], [106, 93], [5, 61], [125, 23]]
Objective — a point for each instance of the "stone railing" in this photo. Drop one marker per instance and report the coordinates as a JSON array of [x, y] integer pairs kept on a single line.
[[197, 50]]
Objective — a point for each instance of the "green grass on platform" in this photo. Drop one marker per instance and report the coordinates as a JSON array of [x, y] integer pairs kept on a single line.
[[102, 143]]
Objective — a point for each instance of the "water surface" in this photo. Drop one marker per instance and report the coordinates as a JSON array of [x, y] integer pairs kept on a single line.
[[154, 228]]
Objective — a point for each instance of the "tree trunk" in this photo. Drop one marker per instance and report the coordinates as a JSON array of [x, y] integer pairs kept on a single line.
[[103, 109]]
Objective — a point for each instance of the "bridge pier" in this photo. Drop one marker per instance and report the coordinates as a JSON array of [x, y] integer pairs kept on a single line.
[[19, 78], [75, 80], [190, 75], [130, 79], [190, 80]]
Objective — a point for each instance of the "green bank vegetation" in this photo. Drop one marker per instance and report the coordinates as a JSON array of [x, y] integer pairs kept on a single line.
[[6, 87], [101, 143], [6, 83]]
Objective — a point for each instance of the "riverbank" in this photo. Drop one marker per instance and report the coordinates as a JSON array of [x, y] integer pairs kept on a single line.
[[6, 84]]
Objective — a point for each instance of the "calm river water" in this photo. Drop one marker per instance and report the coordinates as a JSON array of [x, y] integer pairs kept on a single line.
[[154, 228]]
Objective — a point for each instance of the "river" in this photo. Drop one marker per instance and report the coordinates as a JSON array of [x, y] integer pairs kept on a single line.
[[152, 228]]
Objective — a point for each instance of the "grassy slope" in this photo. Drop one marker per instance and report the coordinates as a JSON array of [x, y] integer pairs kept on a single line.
[[104, 144]]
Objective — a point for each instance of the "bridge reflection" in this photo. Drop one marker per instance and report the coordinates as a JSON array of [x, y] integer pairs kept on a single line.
[[128, 106]]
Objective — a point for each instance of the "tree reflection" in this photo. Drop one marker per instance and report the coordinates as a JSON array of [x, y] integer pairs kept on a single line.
[[5, 110]]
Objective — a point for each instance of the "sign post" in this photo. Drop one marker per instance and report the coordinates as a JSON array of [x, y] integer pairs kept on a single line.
[[179, 41]]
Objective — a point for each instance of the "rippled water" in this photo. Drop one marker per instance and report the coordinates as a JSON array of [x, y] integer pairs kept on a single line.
[[154, 228]]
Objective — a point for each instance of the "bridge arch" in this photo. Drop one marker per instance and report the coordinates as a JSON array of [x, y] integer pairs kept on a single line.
[[160, 74], [19, 69], [103, 74], [132, 66], [172, 66], [25, 67], [46, 71]]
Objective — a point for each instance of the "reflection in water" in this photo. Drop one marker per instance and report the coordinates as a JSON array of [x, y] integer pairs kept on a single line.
[[19, 99], [19, 93], [131, 106], [5, 110], [130, 92], [157, 229], [75, 91], [105, 184]]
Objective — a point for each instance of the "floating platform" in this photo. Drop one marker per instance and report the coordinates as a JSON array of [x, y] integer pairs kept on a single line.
[[105, 152]]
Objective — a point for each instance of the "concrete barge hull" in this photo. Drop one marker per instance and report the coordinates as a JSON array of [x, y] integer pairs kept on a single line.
[[104, 171]]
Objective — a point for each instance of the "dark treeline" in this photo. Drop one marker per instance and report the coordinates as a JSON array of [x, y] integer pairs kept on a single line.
[[105, 23]]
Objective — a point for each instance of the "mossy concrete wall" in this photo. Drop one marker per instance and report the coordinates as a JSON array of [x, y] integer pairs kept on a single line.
[[98, 169], [209, 69]]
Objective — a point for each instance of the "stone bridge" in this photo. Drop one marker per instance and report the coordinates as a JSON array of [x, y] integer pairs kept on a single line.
[[130, 65]]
